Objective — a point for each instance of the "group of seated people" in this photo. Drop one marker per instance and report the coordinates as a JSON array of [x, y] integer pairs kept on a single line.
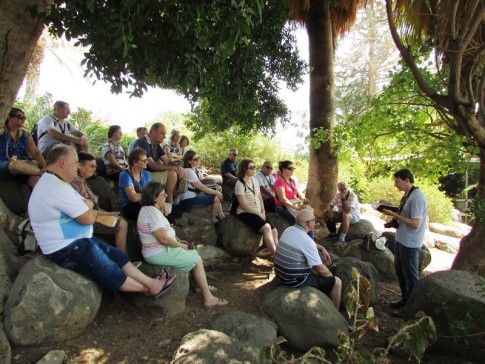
[[146, 197]]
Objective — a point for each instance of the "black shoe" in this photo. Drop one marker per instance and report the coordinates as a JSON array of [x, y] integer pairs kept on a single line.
[[397, 304], [331, 236]]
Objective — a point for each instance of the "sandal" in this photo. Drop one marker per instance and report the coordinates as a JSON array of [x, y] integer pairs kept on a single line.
[[165, 287], [220, 302], [211, 288]]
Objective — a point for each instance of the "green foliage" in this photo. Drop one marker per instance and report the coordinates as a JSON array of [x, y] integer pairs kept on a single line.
[[382, 188], [35, 111], [228, 57]]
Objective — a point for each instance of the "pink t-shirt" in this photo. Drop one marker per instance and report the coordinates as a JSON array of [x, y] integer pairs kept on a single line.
[[291, 191]]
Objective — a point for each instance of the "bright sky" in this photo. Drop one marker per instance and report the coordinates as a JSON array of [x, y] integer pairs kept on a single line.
[[64, 79]]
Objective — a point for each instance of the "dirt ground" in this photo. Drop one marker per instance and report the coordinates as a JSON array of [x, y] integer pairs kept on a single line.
[[122, 333]]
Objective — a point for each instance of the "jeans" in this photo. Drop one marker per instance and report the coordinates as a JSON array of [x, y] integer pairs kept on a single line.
[[406, 267], [283, 212]]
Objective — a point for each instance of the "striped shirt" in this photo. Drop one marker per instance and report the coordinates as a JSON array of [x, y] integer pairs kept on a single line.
[[295, 255], [151, 219]]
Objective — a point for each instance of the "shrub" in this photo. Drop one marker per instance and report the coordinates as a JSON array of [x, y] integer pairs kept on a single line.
[[382, 188]]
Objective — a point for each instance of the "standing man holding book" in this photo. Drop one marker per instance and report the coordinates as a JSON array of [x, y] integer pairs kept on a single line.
[[411, 224], [347, 213]]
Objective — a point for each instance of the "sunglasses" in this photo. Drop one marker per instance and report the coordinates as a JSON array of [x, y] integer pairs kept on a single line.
[[251, 167], [20, 117], [143, 160], [195, 159], [235, 155], [268, 167], [291, 168]]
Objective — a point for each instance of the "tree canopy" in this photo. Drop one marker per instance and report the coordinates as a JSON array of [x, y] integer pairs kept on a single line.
[[226, 57]]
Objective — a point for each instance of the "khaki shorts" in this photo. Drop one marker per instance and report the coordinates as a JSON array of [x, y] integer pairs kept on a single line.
[[159, 177]]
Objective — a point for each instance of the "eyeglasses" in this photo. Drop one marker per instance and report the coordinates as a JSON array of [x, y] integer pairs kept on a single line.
[[251, 167], [268, 167], [235, 155], [89, 165], [20, 117], [195, 159], [291, 168], [143, 160]]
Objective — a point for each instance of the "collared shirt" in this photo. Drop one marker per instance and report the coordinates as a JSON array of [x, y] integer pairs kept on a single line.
[[154, 151]]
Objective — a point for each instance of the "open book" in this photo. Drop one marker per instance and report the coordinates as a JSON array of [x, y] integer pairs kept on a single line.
[[379, 206]]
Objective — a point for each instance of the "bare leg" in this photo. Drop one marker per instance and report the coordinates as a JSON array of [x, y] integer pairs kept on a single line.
[[201, 282], [344, 226], [120, 237], [139, 282], [32, 180], [23, 167], [268, 238], [170, 186], [275, 237], [336, 292]]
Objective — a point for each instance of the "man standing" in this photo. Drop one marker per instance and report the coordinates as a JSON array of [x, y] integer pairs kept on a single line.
[[63, 225], [160, 165], [411, 225], [347, 213], [140, 133], [298, 259], [266, 181], [53, 129], [229, 169]]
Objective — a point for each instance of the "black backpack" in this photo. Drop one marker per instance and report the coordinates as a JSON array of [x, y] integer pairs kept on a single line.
[[34, 132], [234, 201]]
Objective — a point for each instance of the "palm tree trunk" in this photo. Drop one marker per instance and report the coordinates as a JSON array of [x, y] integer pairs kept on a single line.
[[323, 171]]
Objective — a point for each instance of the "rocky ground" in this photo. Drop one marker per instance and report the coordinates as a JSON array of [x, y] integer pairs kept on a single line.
[[122, 333]]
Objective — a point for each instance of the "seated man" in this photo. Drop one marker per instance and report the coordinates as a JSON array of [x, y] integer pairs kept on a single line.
[[266, 181], [63, 225], [347, 213], [53, 129], [229, 168], [160, 165], [298, 259]]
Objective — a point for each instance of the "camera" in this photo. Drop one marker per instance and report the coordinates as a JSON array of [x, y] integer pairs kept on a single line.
[[392, 224]]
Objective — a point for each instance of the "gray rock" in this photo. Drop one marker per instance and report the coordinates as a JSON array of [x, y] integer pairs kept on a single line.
[[305, 317], [456, 302], [108, 196], [5, 349], [237, 238], [280, 224], [424, 253], [446, 230], [53, 357], [8, 220], [171, 303], [15, 196], [383, 261], [48, 304], [5, 274], [209, 252], [359, 230], [227, 192], [343, 270], [209, 346], [197, 226], [249, 329]]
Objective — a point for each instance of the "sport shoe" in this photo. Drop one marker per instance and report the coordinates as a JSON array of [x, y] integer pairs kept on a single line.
[[397, 304], [339, 243], [331, 236]]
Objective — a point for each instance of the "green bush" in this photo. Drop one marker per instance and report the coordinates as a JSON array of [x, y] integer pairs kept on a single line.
[[382, 188]]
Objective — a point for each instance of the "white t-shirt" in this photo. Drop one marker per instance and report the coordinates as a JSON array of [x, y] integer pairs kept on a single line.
[[252, 194], [51, 122], [265, 181], [151, 219], [53, 207], [191, 178]]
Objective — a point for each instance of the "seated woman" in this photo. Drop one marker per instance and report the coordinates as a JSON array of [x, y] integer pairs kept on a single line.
[[14, 143], [132, 180], [251, 207], [113, 154], [183, 144], [199, 195], [160, 246], [172, 147], [87, 167], [287, 195]]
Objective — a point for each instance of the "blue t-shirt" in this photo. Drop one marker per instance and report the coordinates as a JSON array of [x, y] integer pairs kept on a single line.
[[228, 166], [126, 180]]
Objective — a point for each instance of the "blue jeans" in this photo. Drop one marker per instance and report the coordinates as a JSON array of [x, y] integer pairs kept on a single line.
[[406, 267], [201, 200], [94, 259], [282, 211]]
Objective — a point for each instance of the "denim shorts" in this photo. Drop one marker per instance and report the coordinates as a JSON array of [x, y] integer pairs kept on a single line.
[[324, 284], [201, 200], [94, 259], [6, 175]]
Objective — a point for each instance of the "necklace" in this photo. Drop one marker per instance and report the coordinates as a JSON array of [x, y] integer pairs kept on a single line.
[[249, 188], [15, 142]]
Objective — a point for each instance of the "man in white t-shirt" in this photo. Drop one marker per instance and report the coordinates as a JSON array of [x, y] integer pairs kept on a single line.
[[266, 181], [63, 225], [53, 129]]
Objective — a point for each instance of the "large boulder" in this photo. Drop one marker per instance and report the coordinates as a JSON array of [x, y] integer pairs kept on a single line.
[[450, 231], [171, 303], [15, 196], [424, 253], [455, 300], [343, 270], [8, 220], [214, 347], [227, 192], [383, 261], [249, 329], [237, 238], [5, 349], [306, 317], [196, 226], [359, 230], [279, 223], [48, 303], [108, 196]]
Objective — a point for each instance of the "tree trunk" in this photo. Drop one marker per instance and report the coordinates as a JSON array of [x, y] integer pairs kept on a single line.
[[19, 32], [471, 256], [323, 171]]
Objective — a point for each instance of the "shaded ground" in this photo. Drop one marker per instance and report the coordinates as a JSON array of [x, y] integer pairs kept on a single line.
[[123, 333]]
